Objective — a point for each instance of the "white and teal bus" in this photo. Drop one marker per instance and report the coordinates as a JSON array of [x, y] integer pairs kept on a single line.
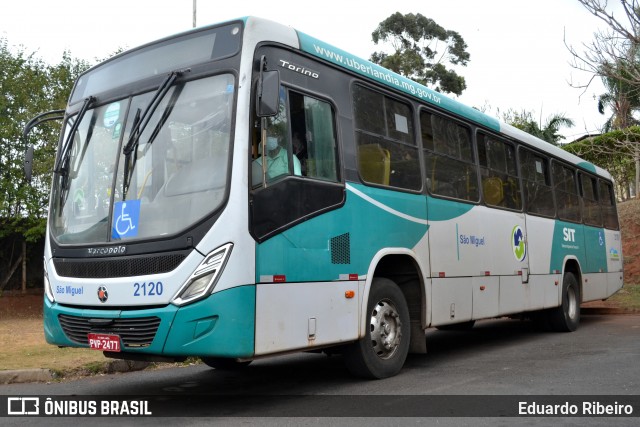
[[245, 190]]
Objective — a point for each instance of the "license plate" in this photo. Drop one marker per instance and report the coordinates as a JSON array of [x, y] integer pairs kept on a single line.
[[104, 342]]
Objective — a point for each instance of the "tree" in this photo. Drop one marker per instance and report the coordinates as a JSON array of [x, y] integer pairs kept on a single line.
[[29, 86], [420, 49], [623, 100], [550, 132], [613, 53], [611, 151], [614, 56]]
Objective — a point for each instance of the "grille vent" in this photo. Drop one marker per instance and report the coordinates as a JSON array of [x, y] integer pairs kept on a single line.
[[341, 249], [135, 332], [101, 268]]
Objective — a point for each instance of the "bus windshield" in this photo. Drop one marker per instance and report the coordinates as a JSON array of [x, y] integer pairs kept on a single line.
[[178, 169]]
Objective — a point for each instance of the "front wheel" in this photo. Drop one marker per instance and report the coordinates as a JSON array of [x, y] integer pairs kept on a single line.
[[566, 317], [384, 348]]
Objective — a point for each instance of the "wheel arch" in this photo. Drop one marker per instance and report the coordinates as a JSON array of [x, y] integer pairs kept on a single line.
[[572, 265], [403, 267]]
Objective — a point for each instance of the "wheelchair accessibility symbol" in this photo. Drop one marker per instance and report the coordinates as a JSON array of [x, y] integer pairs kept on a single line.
[[126, 217]]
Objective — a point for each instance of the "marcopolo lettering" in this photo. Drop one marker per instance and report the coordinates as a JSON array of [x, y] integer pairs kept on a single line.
[[111, 250]]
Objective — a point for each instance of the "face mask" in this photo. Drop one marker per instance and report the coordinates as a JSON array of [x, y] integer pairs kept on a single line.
[[272, 143]]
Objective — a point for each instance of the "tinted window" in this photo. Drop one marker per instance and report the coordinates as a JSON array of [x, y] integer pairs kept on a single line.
[[449, 160], [387, 151], [608, 203], [536, 183], [566, 192], [499, 172], [591, 211]]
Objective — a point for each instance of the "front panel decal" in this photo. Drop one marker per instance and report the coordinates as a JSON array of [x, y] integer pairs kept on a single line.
[[126, 218]]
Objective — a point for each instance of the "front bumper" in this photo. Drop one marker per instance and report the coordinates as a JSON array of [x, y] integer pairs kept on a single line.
[[222, 325]]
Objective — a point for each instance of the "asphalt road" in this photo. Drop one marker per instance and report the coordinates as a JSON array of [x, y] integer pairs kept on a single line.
[[504, 358]]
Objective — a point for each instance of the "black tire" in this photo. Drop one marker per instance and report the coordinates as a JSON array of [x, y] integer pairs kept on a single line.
[[566, 317], [384, 348], [224, 363]]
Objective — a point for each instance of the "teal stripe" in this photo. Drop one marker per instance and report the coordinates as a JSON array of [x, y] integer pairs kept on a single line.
[[445, 210], [586, 243], [345, 240], [221, 325], [54, 334], [587, 166]]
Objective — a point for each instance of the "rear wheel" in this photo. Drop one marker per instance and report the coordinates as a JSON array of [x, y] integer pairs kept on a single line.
[[224, 363], [384, 348], [566, 317]]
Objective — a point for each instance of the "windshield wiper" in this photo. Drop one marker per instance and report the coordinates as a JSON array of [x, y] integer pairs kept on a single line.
[[62, 164], [140, 122]]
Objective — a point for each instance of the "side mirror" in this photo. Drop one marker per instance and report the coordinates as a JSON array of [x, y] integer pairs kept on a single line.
[[268, 91], [36, 121], [269, 98]]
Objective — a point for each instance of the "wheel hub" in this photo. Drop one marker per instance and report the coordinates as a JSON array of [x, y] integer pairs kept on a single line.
[[386, 329]]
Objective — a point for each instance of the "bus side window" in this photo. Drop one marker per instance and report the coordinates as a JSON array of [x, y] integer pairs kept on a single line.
[[449, 159], [313, 137], [566, 192], [538, 194], [499, 173], [301, 141], [277, 156], [608, 204], [590, 206], [387, 150]]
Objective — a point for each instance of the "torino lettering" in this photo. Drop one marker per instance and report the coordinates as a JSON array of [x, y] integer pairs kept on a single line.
[[298, 69]]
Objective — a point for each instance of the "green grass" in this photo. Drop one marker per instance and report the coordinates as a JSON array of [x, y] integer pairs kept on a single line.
[[627, 298]]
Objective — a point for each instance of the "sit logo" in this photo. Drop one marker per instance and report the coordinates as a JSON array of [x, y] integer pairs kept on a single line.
[[569, 234]]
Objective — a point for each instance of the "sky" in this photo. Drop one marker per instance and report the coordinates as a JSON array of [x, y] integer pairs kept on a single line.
[[519, 59]]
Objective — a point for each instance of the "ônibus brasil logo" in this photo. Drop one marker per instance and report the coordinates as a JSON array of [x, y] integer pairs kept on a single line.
[[518, 244]]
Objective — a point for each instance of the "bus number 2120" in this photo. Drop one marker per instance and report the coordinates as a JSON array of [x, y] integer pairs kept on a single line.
[[147, 289]]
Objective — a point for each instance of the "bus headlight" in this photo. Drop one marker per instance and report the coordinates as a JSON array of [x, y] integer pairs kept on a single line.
[[204, 278], [47, 285]]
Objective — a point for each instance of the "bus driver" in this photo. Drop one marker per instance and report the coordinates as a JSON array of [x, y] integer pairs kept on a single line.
[[277, 161]]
